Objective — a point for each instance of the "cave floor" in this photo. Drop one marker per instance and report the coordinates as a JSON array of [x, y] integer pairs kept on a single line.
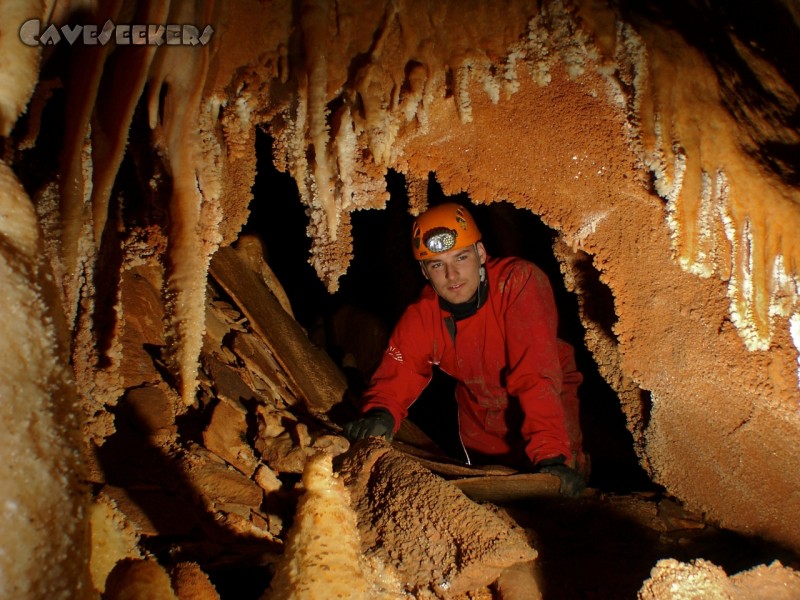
[[597, 548], [600, 546], [603, 546]]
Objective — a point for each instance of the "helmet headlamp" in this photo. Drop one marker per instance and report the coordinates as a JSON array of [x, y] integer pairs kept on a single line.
[[440, 239]]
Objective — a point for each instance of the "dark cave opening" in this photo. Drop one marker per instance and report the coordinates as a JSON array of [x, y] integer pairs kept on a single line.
[[353, 324]]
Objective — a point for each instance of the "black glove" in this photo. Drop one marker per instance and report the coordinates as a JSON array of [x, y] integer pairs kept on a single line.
[[572, 482], [377, 421]]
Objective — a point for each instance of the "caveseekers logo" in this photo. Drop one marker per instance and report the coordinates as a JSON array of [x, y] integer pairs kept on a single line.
[[31, 34]]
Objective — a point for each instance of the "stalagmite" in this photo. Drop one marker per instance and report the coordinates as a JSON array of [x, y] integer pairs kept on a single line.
[[190, 583], [323, 548], [139, 579], [674, 580]]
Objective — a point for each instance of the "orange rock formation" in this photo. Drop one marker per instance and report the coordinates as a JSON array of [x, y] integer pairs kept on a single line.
[[659, 160]]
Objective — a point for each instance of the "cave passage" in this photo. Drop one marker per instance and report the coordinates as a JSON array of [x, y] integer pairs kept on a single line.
[[353, 324], [591, 549]]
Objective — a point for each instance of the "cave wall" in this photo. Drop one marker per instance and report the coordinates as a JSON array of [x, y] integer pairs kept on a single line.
[[623, 141], [673, 336], [618, 133]]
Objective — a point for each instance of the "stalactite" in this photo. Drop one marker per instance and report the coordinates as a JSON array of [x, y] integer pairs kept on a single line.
[[701, 163], [794, 330], [715, 190], [20, 64], [121, 91], [113, 539], [314, 21], [387, 99], [75, 182], [417, 191], [81, 282], [388, 96], [345, 140], [194, 213]]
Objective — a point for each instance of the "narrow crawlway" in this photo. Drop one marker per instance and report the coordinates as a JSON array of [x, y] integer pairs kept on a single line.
[[353, 324], [602, 545]]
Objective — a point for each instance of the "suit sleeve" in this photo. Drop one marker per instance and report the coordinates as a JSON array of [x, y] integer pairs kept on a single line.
[[534, 371], [405, 369]]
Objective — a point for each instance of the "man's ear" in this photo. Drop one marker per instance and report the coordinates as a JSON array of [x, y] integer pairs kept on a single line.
[[481, 252], [424, 270]]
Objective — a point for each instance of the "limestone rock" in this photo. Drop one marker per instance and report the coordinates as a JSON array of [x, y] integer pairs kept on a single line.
[[436, 539]]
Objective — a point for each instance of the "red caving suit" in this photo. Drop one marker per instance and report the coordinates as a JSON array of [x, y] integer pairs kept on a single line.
[[507, 351]]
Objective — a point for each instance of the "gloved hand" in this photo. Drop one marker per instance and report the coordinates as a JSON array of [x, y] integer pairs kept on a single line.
[[572, 482], [377, 421]]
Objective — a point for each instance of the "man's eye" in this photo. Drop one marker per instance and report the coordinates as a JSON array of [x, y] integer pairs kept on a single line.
[[434, 265], [463, 257]]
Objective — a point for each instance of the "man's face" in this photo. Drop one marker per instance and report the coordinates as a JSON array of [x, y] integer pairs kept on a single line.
[[455, 274]]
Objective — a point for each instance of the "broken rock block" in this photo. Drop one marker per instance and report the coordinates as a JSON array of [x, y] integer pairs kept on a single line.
[[321, 387], [250, 249], [221, 320], [285, 443], [226, 436], [267, 479], [436, 539], [231, 499], [216, 484], [142, 322], [153, 512], [265, 372], [227, 381], [151, 410]]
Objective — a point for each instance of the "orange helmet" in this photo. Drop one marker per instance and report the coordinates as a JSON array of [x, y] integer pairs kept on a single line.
[[442, 228]]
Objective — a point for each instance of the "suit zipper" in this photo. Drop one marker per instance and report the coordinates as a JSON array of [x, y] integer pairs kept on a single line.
[[452, 328], [460, 439]]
